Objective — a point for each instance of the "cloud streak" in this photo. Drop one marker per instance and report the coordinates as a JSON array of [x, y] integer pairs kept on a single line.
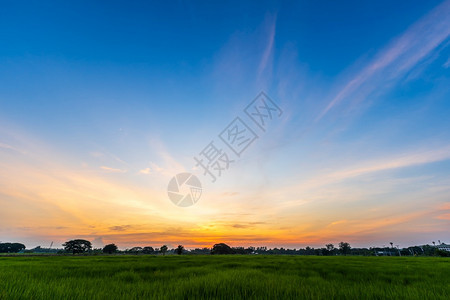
[[9, 147], [364, 168], [398, 57], [269, 46], [447, 63], [112, 170], [402, 161]]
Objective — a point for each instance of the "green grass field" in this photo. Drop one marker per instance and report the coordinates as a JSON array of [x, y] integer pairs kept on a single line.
[[224, 277]]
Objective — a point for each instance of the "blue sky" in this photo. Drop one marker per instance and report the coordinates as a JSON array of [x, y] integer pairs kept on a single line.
[[102, 103]]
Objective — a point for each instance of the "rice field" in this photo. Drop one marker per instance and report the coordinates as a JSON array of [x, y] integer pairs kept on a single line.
[[224, 277]]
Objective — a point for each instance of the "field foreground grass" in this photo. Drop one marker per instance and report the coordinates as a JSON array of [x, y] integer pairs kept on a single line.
[[224, 277]]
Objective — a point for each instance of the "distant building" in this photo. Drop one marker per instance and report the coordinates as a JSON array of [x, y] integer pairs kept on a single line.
[[386, 253], [443, 247]]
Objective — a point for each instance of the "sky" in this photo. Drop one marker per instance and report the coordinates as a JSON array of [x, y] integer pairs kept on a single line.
[[103, 103]]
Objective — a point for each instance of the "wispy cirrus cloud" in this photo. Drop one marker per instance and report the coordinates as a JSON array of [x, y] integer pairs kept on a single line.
[[145, 171], [120, 227], [268, 51], [378, 165], [108, 157], [399, 57], [447, 64], [9, 147], [401, 161], [246, 60], [112, 170]]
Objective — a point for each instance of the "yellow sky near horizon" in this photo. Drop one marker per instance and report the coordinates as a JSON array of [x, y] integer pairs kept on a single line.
[[46, 196]]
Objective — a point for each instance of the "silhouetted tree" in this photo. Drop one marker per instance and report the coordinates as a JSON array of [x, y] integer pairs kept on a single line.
[[135, 250], [163, 249], [328, 250], [110, 249], [201, 251], [148, 250], [441, 253], [428, 250], [222, 249], [309, 250], [179, 249], [239, 250], [77, 246], [344, 248], [250, 250], [11, 247]]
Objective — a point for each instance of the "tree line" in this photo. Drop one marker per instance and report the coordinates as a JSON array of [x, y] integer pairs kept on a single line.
[[84, 246], [81, 246]]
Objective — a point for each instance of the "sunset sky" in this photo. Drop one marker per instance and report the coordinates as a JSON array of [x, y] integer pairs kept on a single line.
[[102, 103]]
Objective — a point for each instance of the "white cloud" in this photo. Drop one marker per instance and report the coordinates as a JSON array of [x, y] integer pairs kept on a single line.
[[112, 170], [447, 64], [399, 57], [145, 171], [9, 147], [269, 46]]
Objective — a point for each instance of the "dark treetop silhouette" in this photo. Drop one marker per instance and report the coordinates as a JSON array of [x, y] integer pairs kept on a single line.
[[77, 246]]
